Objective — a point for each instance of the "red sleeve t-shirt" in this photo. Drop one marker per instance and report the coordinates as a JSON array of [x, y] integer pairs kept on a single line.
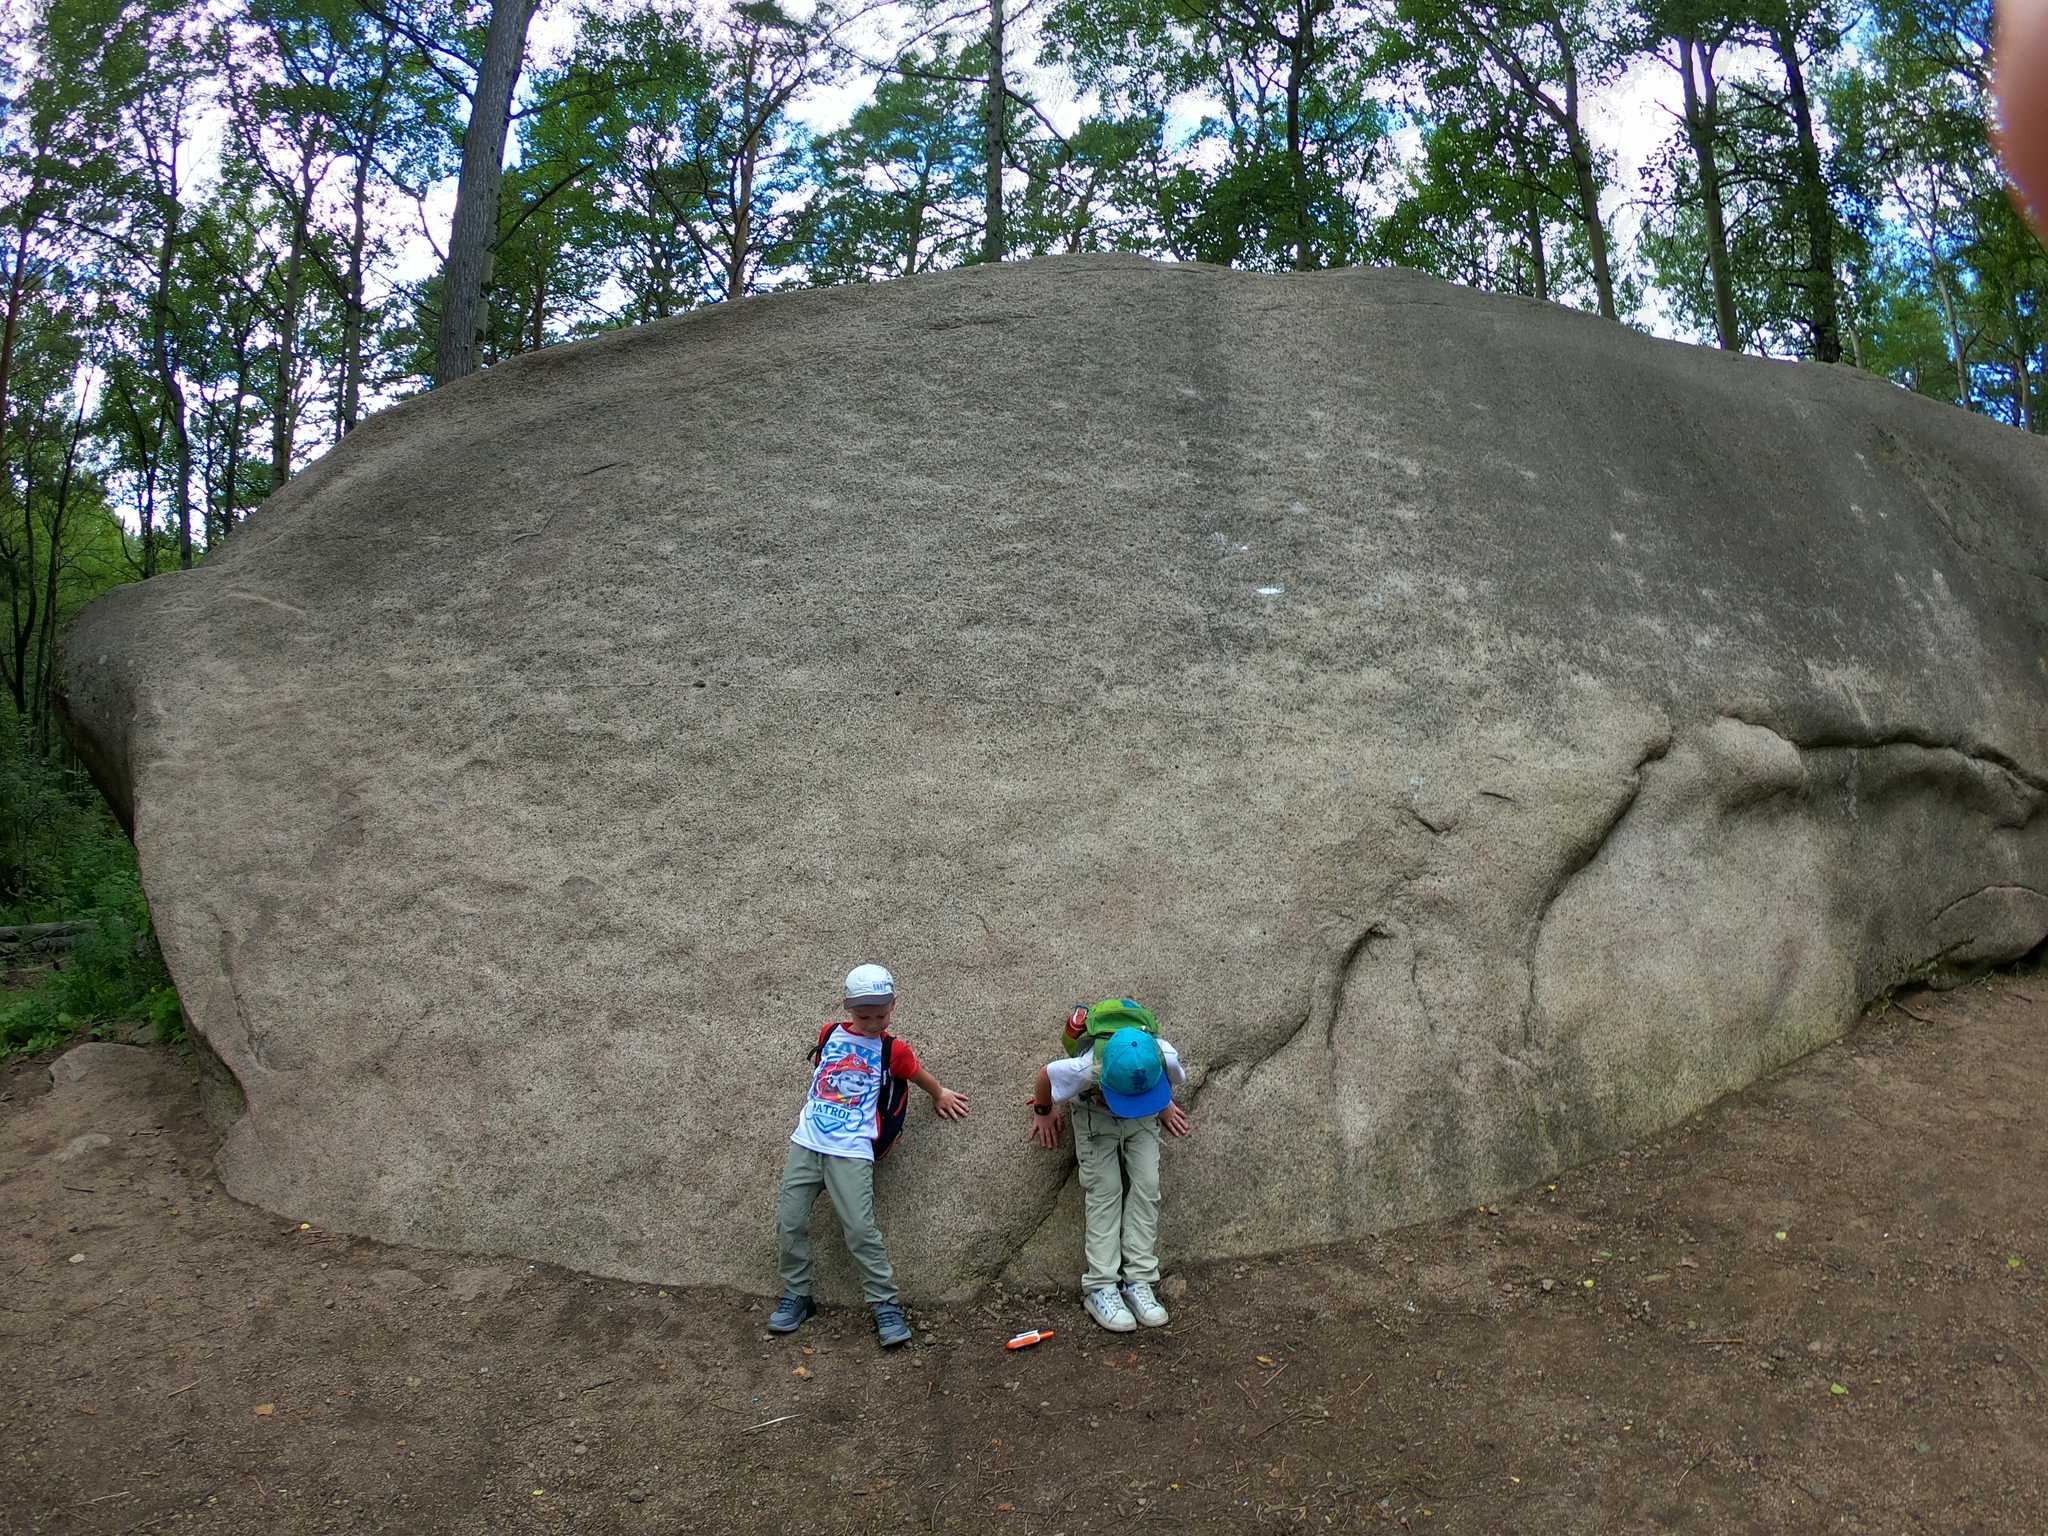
[[842, 1115]]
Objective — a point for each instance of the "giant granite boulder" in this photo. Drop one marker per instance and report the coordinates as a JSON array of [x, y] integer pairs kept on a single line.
[[1483, 733]]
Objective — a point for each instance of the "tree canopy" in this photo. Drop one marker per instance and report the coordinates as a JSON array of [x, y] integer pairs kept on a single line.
[[226, 230]]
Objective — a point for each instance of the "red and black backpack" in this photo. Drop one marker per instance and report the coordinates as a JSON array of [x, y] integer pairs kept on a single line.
[[894, 1103]]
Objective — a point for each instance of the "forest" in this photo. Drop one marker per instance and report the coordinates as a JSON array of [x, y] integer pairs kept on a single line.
[[234, 228]]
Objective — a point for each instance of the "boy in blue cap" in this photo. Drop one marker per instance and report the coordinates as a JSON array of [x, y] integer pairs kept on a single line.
[[1121, 1092]]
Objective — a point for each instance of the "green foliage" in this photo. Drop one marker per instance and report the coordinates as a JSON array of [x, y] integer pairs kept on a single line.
[[899, 189], [1272, 180], [34, 1025], [60, 846], [113, 978], [1499, 88], [62, 857], [116, 972], [1476, 215], [1097, 189], [1949, 278]]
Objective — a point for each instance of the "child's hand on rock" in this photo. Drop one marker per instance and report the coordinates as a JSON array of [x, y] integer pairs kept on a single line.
[[950, 1104], [1175, 1119], [1045, 1129]]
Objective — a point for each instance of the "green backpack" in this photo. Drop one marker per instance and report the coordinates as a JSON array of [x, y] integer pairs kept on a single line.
[[1088, 1028]]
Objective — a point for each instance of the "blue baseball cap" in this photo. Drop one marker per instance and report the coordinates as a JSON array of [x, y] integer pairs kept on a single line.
[[1134, 1079]]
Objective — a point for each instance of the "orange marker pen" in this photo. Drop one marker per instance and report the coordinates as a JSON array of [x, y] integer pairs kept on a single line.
[[1027, 1339]]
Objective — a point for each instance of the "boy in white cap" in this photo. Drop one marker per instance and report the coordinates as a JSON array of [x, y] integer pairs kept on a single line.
[[855, 1109], [1121, 1088]]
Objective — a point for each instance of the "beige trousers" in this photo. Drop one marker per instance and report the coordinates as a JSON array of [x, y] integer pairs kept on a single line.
[[850, 1181], [1120, 1192]]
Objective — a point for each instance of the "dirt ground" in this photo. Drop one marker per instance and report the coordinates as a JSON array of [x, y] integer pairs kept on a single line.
[[1815, 1307]]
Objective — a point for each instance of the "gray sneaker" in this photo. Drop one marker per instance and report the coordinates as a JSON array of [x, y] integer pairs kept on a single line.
[[790, 1313], [890, 1326], [1107, 1308], [1144, 1305]]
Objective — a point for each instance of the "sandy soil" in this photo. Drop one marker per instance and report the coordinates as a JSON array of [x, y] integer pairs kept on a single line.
[[1815, 1307]]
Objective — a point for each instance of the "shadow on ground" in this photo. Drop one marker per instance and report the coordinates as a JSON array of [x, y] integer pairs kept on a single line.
[[1815, 1307]]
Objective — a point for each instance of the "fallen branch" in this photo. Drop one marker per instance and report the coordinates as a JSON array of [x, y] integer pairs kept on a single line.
[[42, 935], [1697, 1462], [1299, 1413]]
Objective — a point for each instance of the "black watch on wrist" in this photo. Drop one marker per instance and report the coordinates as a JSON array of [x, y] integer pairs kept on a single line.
[[1040, 1109]]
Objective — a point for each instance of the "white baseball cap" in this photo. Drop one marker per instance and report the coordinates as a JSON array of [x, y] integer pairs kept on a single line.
[[870, 984]]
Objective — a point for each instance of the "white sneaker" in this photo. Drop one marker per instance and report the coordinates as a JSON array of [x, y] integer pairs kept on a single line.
[[1108, 1309], [1139, 1295]]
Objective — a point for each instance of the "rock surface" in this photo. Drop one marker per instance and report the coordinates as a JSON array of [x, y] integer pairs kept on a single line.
[[1484, 734], [90, 1057]]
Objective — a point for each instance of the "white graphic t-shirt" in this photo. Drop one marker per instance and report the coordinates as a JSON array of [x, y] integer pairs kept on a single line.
[[841, 1117]]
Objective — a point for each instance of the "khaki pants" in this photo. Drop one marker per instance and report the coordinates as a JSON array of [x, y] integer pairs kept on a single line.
[[850, 1181], [1120, 1190]]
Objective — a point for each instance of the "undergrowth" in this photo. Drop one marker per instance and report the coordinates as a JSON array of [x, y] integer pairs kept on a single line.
[[63, 858]]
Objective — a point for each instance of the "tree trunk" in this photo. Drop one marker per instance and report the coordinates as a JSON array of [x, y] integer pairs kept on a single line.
[[1955, 334], [281, 423], [1566, 115], [39, 718], [228, 491], [16, 286], [1297, 66], [151, 458], [1532, 217], [1814, 203], [1083, 211], [474, 231], [995, 233], [352, 307], [1945, 296], [1702, 122], [2022, 389], [924, 203], [742, 221], [1539, 269], [23, 625], [173, 391], [2022, 392], [358, 240], [1589, 211]]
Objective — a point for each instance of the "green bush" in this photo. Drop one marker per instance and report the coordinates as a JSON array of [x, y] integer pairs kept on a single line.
[[113, 977], [59, 841], [63, 858], [32, 1025]]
